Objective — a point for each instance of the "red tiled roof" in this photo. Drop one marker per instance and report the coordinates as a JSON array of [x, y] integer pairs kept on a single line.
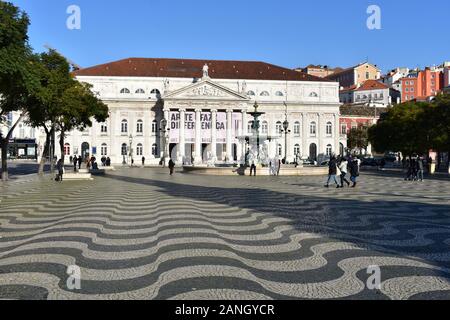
[[372, 85], [346, 89], [188, 68]]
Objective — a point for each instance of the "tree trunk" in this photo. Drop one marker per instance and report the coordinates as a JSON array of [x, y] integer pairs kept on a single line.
[[45, 153], [61, 145], [52, 150], [4, 145]]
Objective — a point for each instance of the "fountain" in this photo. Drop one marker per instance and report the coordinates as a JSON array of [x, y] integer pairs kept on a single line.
[[257, 151]]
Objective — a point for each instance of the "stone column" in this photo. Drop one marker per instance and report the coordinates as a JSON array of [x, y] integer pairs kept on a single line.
[[319, 136], [214, 134], [306, 134], [336, 133], [112, 154], [182, 142], [244, 133], [198, 137], [229, 136]]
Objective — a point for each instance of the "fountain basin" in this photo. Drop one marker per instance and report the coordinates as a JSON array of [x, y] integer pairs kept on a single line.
[[264, 171]]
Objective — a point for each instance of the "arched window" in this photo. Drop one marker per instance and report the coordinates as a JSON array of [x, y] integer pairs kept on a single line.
[[155, 149], [251, 93], [264, 94], [279, 94], [104, 149], [329, 129], [125, 91], [329, 150], [297, 128], [313, 129], [265, 127], [67, 149], [297, 150], [154, 126], [155, 91], [140, 91], [140, 126], [313, 95], [124, 149], [279, 127], [124, 126], [139, 149]]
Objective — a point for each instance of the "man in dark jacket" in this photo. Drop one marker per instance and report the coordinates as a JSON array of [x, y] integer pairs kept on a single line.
[[75, 163], [60, 168], [354, 171], [332, 172], [171, 166]]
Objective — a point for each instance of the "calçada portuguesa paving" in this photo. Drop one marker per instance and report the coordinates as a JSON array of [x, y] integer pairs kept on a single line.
[[141, 234]]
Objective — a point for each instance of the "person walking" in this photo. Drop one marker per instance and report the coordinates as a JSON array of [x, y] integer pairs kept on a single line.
[[332, 172], [75, 163], [253, 169], [80, 161], [143, 161], [408, 164], [108, 161], [60, 168], [354, 171], [420, 169], [343, 167], [171, 167], [279, 167]]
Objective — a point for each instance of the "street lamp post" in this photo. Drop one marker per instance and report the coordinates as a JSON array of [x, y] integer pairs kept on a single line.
[[286, 131]]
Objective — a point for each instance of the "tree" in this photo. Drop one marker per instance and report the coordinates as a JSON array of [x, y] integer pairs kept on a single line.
[[403, 128], [62, 104], [358, 138], [18, 77], [46, 105], [78, 107]]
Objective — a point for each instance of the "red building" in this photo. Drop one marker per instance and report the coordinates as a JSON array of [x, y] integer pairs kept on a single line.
[[422, 84]]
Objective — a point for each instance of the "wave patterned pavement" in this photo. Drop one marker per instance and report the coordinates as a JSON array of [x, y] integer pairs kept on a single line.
[[140, 234]]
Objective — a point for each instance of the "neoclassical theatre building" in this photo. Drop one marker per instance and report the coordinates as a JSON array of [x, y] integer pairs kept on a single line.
[[205, 105]]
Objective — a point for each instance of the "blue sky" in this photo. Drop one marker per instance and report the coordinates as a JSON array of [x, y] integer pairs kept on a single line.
[[289, 33]]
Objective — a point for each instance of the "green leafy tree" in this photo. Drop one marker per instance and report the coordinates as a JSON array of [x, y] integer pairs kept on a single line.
[[62, 104], [78, 107], [18, 77], [358, 138], [403, 128], [46, 105]]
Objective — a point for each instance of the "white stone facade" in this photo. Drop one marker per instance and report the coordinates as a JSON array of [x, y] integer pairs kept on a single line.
[[138, 105]]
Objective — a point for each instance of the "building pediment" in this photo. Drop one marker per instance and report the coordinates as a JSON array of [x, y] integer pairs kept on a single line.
[[205, 90]]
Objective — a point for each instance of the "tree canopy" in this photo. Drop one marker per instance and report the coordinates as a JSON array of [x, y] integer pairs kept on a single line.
[[18, 71], [414, 127]]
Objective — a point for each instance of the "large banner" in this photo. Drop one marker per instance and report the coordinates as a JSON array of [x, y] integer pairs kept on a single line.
[[205, 123]]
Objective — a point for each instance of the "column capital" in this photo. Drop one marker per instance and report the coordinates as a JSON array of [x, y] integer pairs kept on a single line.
[[182, 110], [166, 110], [214, 111], [198, 110], [230, 110]]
